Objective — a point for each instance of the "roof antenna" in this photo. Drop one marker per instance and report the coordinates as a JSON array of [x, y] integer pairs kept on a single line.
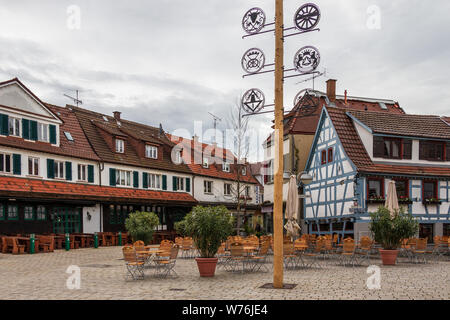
[[216, 118], [75, 100]]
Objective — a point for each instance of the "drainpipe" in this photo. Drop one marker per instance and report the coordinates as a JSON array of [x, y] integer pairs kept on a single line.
[[101, 166]]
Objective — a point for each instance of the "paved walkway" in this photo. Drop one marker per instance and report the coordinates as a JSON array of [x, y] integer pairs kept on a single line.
[[43, 276]]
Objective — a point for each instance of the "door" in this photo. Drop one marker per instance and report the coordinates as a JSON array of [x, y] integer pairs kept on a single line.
[[426, 231], [66, 220]]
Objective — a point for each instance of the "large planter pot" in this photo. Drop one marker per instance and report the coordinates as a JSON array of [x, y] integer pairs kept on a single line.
[[389, 257], [206, 266]]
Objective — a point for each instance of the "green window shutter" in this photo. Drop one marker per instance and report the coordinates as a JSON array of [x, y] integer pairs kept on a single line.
[[17, 163], [4, 130], [112, 177], [52, 130], [26, 129], [68, 171], [174, 183], [90, 173], [188, 184], [135, 179], [164, 182], [145, 180], [50, 168], [33, 130]]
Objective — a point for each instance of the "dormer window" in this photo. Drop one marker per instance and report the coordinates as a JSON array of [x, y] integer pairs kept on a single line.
[[120, 146], [151, 152], [42, 132], [226, 167], [205, 163], [14, 126], [392, 148], [178, 157], [244, 171]]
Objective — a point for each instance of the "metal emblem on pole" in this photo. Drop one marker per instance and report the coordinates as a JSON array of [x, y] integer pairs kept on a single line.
[[253, 20], [307, 59], [253, 100], [307, 17], [253, 60], [308, 105]]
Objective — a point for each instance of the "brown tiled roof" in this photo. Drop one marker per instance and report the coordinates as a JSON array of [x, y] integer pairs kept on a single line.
[[87, 119], [213, 170], [412, 125], [17, 187], [356, 151], [79, 148]]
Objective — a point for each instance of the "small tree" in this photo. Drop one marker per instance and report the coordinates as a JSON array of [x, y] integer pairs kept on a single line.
[[208, 227], [141, 225], [390, 231], [180, 227]]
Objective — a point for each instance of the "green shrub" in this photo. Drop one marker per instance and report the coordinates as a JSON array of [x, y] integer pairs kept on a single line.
[[141, 225], [209, 227], [388, 231], [180, 227]]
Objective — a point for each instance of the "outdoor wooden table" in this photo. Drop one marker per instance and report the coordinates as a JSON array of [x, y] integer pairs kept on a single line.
[[59, 241], [26, 241], [83, 238]]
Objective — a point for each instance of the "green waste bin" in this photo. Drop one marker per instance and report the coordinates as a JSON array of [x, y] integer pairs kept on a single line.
[[67, 242]]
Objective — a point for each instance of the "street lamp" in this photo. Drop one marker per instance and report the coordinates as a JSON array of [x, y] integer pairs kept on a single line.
[[304, 178]]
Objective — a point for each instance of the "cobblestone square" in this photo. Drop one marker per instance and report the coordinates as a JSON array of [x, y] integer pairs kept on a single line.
[[43, 276]]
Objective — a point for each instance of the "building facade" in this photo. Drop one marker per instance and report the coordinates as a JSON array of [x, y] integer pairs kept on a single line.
[[354, 156]]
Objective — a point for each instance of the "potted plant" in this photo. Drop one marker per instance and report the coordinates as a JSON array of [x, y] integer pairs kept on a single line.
[[390, 231], [208, 227], [141, 226]]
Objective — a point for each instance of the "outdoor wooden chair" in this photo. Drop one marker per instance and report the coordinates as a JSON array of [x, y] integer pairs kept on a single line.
[[316, 254], [348, 256], [11, 245], [364, 250], [290, 259], [419, 251], [165, 266], [258, 261], [187, 247], [134, 264], [46, 243], [237, 258]]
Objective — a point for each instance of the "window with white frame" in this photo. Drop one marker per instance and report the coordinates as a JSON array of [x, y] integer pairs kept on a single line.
[[207, 186], [120, 146], [14, 126], [244, 170], [227, 189], [151, 152], [5, 163], [59, 169], [178, 158], [42, 132], [33, 166], [226, 166], [179, 184], [205, 163], [154, 181], [247, 191], [41, 213], [82, 172], [123, 178]]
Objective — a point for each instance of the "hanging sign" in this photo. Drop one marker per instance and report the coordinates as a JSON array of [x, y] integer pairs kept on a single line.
[[253, 100], [306, 59], [253, 20], [253, 60], [307, 17]]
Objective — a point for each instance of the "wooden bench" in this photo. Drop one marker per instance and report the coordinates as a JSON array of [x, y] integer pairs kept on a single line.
[[46, 243], [10, 245]]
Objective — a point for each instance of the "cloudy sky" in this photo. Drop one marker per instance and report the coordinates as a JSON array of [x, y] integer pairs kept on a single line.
[[173, 61]]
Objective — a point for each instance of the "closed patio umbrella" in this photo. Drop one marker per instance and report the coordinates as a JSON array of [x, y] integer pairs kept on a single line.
[[391, 199], [292, 226]]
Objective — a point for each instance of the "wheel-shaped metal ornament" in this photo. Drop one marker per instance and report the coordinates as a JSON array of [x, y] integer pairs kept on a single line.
[[253, 20], [307, 17], [307, 59], [306, 102], [253, 100], [253, 60]]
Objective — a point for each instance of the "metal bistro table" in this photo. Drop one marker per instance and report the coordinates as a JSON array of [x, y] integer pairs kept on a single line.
[[148, 256]]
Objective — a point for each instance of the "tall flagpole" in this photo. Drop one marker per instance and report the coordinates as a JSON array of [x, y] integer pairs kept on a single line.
[[278, 180]]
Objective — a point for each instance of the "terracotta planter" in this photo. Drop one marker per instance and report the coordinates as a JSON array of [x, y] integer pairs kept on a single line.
[[389, 257], [206, 266]]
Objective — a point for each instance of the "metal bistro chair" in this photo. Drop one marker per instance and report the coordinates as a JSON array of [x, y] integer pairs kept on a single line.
[[236, 259], [348, 256], [222, 255], [419, 251], [258, 261], [364, 250], [316, 253], [187, 248], [135, 265], [165, 266], [289, 257]]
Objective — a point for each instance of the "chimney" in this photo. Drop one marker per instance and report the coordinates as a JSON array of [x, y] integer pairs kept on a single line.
[[345, 98], [331, 90], [117, 115]]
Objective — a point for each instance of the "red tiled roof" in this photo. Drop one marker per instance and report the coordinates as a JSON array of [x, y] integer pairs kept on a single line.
[[16, 187], [412, 125], [356, 151], [214, 170], [91, 121], [79, 148]]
